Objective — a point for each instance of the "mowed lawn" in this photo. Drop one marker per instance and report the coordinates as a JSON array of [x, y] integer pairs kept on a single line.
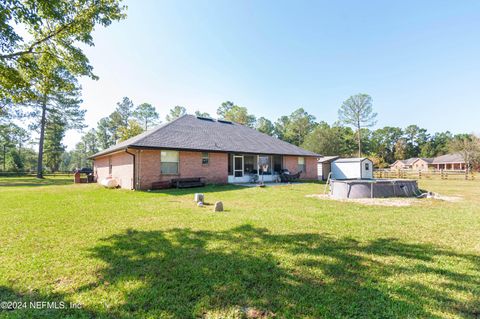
[[273, 253]]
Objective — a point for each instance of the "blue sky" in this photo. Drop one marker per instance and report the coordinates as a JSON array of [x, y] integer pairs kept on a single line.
[[419, 60]]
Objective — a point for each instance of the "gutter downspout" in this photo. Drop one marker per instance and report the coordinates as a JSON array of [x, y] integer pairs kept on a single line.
[[134, 165]]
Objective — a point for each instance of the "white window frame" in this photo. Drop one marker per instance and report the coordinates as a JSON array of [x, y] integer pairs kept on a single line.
[[301, 167], [164, 152]]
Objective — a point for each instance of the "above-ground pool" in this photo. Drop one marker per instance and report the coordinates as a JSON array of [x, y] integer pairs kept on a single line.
[[373, 188]]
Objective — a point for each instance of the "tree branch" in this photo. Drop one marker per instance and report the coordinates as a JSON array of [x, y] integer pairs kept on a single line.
[[37, 43]]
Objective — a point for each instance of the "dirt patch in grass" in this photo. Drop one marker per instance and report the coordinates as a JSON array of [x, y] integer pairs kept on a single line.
[[452, 199], [396, 201], [392, 202]]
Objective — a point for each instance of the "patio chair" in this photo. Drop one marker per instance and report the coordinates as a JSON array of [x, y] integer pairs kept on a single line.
[[286, 177]]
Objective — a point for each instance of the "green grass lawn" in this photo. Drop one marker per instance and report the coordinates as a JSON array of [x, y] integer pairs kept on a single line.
[[273, 252]]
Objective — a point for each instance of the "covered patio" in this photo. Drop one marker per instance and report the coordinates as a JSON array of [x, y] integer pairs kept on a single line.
[[247, 168]]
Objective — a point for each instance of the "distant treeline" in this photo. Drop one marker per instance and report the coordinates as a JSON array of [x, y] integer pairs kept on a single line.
[[382, 145]]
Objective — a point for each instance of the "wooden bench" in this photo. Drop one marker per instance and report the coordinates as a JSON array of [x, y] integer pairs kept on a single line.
[[188, 182], [161, 185]]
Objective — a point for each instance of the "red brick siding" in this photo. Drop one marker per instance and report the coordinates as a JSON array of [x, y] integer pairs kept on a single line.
[[190, 165], [291, 163], [122, 168], [311, 167], [215, 172], [148, 168]]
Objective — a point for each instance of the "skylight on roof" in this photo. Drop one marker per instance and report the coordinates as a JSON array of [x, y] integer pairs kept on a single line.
[[224, 121], [205, 118]]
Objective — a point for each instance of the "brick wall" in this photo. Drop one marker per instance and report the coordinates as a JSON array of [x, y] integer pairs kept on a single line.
[[122, 168], [148, 168], [312, 168], [291, 163], [216, 171], [190, 165], [100, 168]]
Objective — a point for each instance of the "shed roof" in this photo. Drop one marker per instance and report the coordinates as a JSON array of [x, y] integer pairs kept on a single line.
[[351, 160], [189, 132]]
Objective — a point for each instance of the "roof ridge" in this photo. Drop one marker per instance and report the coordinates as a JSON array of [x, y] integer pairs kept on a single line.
[[160, 127]]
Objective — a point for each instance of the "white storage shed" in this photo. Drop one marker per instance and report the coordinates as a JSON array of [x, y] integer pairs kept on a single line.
[[324, 167], [352, 168]]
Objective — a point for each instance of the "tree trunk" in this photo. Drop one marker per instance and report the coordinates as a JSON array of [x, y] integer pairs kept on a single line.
[[359, 141], [42, 138]]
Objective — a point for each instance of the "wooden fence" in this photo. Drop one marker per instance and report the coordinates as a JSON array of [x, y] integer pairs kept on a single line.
[[33, 174], [430, 174]]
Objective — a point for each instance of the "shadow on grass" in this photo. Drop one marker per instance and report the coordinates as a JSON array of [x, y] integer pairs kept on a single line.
[[33, 181], [183, 273]]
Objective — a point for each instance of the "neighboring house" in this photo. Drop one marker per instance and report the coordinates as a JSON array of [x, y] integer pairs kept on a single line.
[[449, 161], [218, 151], [352, 168], [403, 164], [324, 166], [422, 164]]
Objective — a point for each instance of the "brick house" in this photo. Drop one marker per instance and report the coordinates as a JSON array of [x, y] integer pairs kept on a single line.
[[422, 164], [403, 164], [448, 162], [218, 151]]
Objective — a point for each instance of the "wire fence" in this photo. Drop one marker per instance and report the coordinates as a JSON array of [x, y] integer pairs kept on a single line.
[[430, 174], [33, 174]]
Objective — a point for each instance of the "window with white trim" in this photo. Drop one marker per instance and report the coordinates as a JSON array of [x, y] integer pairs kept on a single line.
[[367, 166], [301, 164], [169, 162]]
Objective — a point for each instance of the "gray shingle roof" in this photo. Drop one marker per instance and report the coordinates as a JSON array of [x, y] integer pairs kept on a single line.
[[410, 161], [191, 133], [427, 159], [448, 158]]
